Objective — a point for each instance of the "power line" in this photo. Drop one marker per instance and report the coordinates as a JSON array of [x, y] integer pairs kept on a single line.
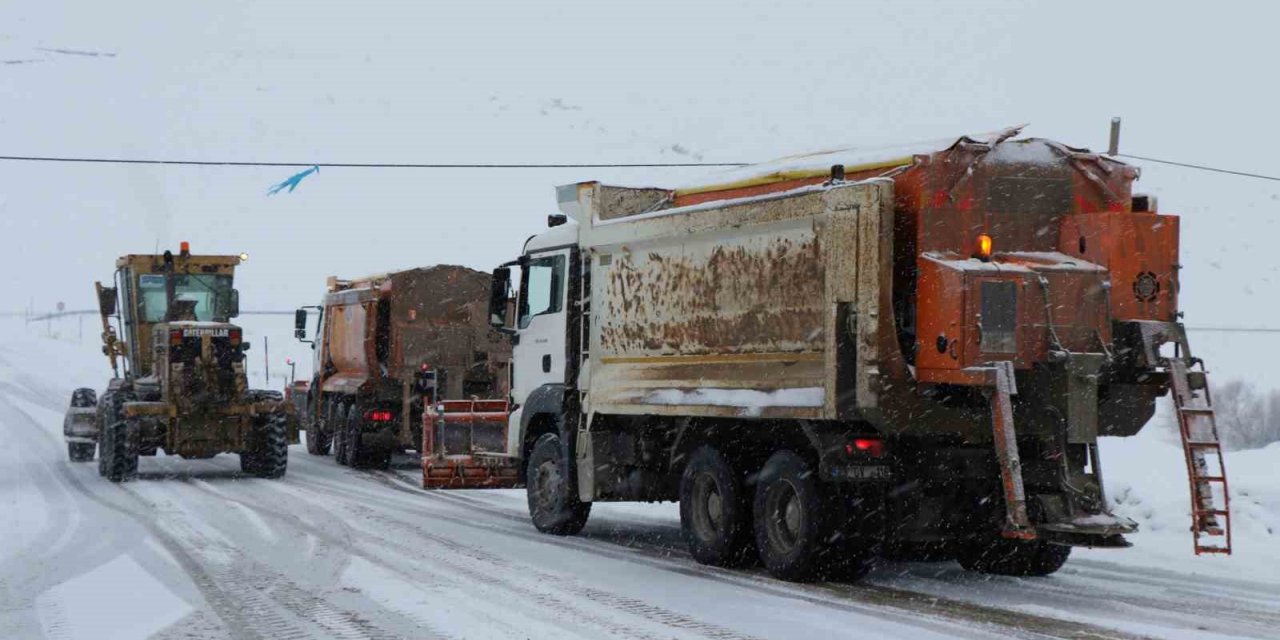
[[1236, 329], [1202, 167], [374, 165], [504, 165]]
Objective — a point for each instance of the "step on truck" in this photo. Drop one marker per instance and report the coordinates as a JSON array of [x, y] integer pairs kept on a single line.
[[386, 348], [909, 353], [178, 372]]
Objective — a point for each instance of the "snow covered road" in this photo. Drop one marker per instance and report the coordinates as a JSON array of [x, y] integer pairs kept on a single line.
[[194, 550]]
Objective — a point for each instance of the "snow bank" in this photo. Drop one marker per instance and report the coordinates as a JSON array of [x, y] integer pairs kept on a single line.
[[1146, 480]]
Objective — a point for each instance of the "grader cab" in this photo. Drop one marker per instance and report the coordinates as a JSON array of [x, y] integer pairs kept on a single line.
[[179, 382]]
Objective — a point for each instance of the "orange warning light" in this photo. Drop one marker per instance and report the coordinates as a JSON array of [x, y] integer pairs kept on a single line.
[[983, 247]]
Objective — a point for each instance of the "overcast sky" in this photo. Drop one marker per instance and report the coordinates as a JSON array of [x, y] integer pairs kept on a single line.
[[385, 81]]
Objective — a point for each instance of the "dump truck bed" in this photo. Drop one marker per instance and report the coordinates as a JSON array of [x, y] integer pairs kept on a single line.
[[736, 308]]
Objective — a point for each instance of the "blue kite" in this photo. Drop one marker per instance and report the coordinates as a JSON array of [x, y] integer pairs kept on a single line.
[[292, 183]]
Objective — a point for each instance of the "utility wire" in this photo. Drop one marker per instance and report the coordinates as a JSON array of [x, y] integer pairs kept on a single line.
[[1202, 167], [1236, 329], [375, 165], [512, 165]]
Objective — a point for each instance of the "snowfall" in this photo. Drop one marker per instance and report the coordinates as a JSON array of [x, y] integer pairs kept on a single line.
[[193, 549]]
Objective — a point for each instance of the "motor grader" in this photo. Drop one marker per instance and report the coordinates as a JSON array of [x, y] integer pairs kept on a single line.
[[178, 365]]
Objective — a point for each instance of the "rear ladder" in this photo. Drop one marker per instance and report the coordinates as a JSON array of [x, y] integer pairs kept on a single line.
[[1206, 469]]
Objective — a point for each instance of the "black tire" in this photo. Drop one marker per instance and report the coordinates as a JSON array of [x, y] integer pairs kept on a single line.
[[108, 413], [133, 447], [84, 398], [337, 425], [319, 434], [104, 451], [80, 451], [351, 435], [553, 503], [715, 511], [792, 527], [123, 459], [1001, 556], [271, 457]]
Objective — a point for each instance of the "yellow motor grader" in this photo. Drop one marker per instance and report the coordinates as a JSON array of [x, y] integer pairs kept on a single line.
[[178, 365]]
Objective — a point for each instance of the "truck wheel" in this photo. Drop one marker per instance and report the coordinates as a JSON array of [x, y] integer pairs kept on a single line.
[[318, 441], [80, 451], [792, 532], [337, 427], [351, 435], [1005, 557], [715, 512], [319, 432], [553, 502]]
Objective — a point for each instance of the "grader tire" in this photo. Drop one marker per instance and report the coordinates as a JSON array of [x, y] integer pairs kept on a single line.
[[108, 414], [122, 463], [270, 457], [80, 451]]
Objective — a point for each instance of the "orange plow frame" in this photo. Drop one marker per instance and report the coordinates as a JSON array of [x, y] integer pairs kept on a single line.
[[442, 469]]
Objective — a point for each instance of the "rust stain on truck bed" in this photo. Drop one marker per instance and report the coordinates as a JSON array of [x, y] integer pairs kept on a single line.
[[754, 294]]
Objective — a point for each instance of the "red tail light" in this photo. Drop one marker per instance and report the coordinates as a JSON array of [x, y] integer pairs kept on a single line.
[[871, 446], [234, 336], [175, 337], [378, 416]]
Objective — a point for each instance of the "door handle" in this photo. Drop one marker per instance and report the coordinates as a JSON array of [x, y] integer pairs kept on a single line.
[[546, 363]]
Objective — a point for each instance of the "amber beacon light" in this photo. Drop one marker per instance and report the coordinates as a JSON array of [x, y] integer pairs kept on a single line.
[[982, 249]]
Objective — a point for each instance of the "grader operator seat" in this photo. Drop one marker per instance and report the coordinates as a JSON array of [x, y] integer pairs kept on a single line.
[[182, 311]]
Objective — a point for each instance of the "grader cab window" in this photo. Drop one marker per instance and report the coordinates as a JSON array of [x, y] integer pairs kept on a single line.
[[210, 293]]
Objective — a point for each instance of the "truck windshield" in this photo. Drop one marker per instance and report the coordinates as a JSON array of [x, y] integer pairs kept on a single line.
[[211, 293]]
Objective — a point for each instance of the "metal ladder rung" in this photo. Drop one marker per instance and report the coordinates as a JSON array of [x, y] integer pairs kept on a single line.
[[1197, 421]]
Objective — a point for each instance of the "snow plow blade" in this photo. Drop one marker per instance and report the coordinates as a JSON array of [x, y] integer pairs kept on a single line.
[[464, 444]]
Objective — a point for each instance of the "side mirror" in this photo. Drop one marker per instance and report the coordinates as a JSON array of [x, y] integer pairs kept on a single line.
[[499, 294], [300, 324], [106, 299], [233, 305]]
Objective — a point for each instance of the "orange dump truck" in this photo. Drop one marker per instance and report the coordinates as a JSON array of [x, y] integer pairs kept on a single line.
[[386, 347]]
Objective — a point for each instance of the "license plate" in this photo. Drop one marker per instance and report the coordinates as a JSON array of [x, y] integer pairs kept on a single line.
[[862, 472]]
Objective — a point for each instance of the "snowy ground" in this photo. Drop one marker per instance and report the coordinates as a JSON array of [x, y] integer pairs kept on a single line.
[[193, 550]]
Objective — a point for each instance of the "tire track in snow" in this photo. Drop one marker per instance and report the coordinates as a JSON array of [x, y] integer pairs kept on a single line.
[[558, 609], [277, 606], [348, 543], [872, 599]]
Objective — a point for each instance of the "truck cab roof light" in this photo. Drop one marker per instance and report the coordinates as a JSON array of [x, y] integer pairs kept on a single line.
[[982, 248]]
